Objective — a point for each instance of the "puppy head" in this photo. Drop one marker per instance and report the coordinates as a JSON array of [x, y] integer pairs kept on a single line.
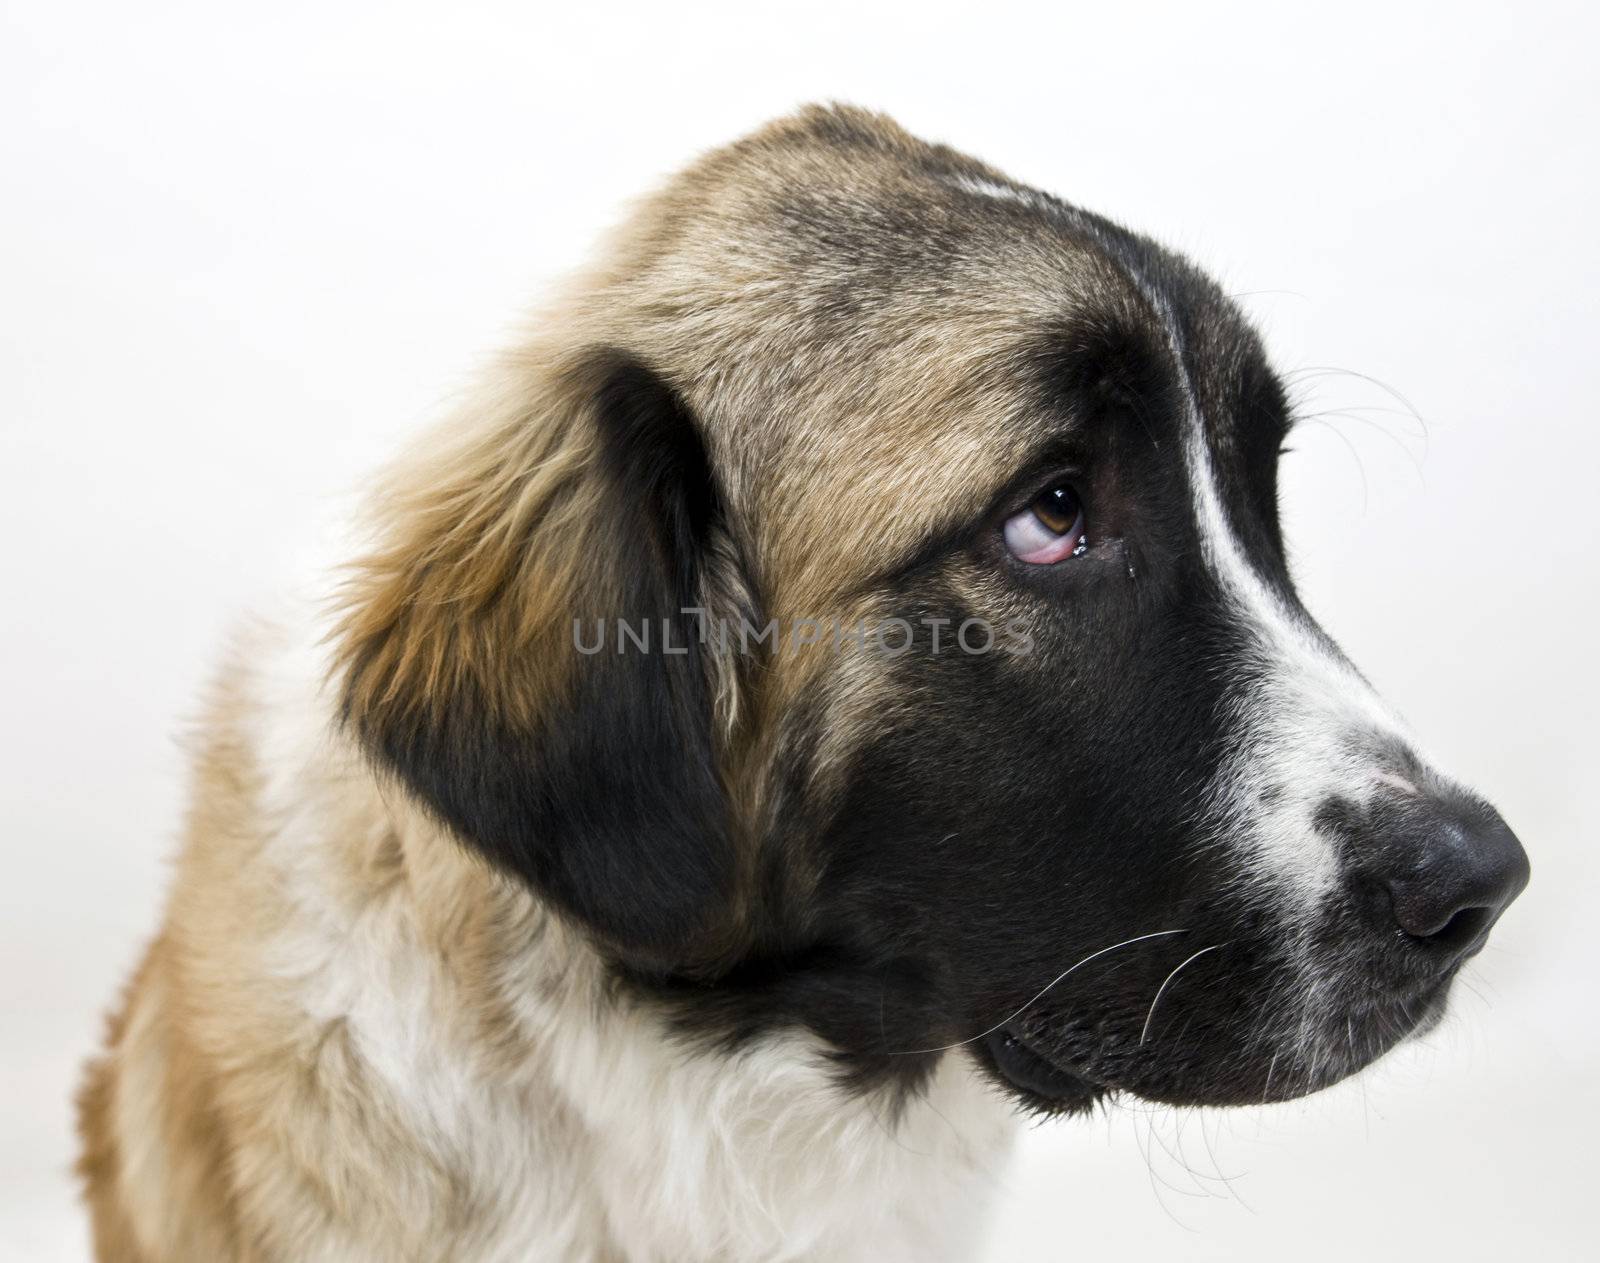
[[1103, 803]]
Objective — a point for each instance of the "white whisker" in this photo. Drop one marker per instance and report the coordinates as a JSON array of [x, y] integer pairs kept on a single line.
[[1162, 988], [910, 1052]]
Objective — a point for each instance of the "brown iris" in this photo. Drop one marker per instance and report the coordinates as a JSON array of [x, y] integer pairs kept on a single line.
[[1057, 508]]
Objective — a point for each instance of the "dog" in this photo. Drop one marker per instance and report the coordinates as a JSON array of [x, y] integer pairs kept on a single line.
[[833, 688]]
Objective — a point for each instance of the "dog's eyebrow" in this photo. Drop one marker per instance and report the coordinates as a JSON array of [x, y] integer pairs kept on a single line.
[[1027, 410], [1059, 451]]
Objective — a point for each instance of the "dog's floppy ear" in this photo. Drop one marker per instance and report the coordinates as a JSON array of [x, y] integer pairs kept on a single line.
[[579, 490]]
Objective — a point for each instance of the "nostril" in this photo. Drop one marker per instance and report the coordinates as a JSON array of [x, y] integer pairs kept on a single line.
[[1463, 928], [1449, 866]]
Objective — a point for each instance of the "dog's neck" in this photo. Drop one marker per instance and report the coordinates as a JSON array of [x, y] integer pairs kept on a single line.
[[497, 1038]]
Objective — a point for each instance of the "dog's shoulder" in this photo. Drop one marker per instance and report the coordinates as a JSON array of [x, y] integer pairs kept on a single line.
[[290, 1071], [354, 1039]]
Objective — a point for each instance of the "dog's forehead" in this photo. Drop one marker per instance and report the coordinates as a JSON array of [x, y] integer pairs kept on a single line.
[[863, 322]]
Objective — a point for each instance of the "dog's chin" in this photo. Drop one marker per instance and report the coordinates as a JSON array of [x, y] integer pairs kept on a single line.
[[1041, 1083], [1049, 1078]]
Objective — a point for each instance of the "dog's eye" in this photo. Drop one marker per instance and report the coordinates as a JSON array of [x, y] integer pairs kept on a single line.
[[1049, 529]]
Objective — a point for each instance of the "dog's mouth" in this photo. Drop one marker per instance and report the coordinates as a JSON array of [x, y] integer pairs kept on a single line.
[[1051, 1079], [1041, 1081]]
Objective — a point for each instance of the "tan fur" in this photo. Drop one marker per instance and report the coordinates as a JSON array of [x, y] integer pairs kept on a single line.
[[463, 582], [237, 1115]]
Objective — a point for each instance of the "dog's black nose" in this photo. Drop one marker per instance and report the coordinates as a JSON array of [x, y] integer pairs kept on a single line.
[[1450, 867]]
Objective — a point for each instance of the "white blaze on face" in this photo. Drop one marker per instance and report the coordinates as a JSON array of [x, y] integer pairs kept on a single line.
[[1001, 192], [1306, 727]]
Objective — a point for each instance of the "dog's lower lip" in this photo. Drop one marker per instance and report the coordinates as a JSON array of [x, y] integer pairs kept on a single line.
[[1026, 1068]]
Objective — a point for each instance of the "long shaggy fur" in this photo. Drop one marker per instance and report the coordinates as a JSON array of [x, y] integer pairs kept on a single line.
[[483, 946]]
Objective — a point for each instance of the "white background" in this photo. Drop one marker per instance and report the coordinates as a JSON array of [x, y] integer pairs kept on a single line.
[[243, 254]]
